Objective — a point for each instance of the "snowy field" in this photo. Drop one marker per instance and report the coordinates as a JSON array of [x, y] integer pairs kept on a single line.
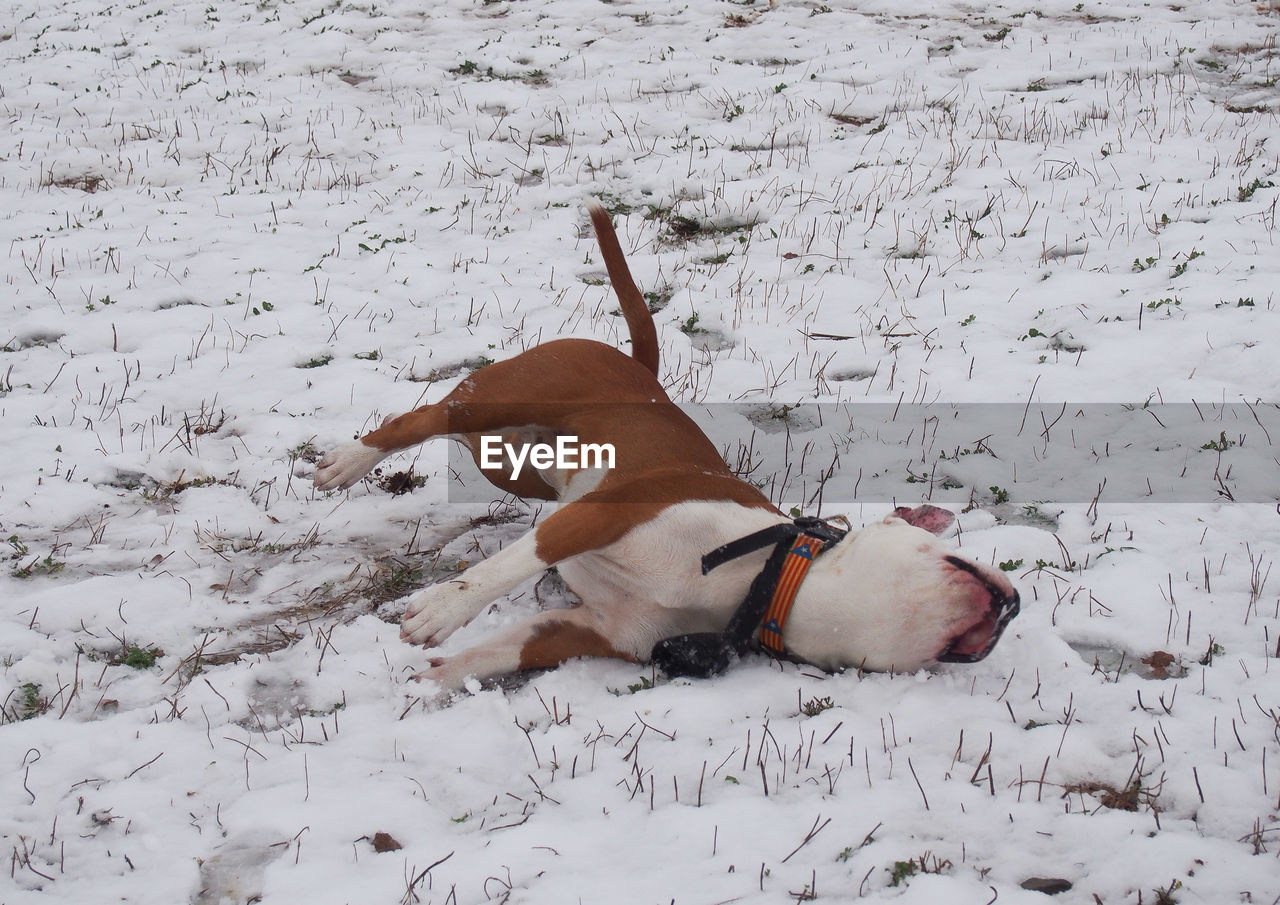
[[238, 232]]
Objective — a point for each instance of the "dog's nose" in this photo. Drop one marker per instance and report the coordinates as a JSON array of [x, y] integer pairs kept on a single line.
[[1007, 608]]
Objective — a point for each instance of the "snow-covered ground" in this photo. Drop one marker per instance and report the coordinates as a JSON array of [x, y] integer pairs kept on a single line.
[[240, 231]]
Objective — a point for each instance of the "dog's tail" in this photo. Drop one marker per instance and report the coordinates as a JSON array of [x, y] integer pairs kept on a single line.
[[644, 337]]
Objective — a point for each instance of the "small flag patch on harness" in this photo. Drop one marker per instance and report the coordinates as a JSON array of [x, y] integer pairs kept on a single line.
[[797, 563]]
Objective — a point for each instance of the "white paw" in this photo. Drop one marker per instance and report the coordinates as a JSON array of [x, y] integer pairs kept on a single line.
[[342, 467], [469, 668], [445, 673], [435, 613]]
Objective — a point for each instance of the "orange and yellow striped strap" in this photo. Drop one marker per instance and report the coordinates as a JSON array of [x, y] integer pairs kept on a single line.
[[794, 567]]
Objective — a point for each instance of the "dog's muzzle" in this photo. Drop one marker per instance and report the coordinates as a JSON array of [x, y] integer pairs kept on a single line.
[[1003, 607]]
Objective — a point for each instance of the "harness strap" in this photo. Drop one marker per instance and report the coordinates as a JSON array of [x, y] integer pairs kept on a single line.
[[769, 537], [767, 603], [773, 591]]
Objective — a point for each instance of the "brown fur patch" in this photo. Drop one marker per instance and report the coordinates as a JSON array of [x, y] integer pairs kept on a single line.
[[555, 642], [604, 516]]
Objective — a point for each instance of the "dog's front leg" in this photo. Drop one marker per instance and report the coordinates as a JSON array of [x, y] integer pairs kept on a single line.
[[435, 613]]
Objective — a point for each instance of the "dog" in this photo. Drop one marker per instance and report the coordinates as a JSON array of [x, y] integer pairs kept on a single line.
[[628, 536]]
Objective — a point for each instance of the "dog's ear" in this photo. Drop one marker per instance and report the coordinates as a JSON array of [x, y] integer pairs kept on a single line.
[[930, 518]]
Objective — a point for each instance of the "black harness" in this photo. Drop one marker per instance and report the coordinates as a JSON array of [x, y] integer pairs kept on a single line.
[[710, 653]]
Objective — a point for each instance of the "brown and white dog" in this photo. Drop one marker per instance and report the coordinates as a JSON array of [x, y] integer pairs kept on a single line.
[[628, 539]]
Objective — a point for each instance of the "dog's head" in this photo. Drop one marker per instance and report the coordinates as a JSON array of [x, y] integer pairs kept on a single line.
[[893, 596]]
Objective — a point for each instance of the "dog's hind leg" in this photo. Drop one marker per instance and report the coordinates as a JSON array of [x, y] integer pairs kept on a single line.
[[342, 467], [457, 415]]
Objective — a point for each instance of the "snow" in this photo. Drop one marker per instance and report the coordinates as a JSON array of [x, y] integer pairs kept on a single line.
[[235, 228]]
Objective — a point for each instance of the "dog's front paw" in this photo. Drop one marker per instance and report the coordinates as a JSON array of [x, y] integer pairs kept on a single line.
[[435, 613], [470, 667], [444, 673], [342, 467]]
